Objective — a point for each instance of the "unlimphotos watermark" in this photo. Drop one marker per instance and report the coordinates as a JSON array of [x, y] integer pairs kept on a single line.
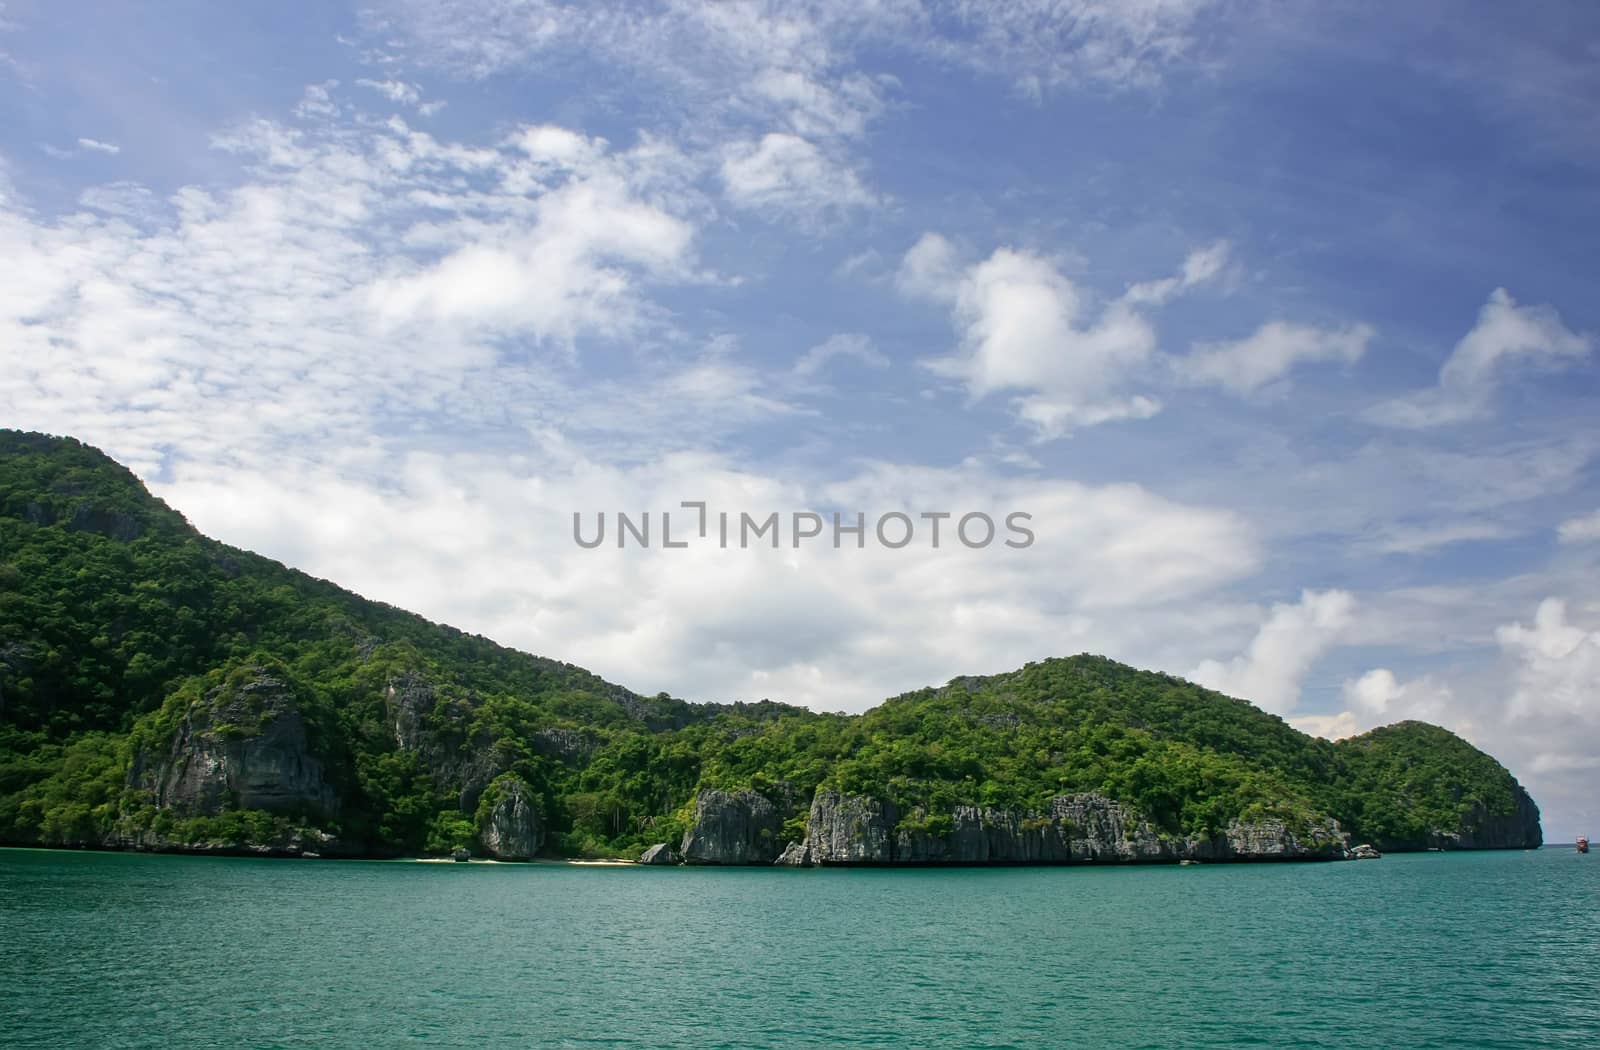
[[895, 530]]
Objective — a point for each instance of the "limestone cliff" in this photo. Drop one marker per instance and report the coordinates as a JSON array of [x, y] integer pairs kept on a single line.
[[511, 827], [738, 827], [242, 746], [1481, 829], [1073, 829]]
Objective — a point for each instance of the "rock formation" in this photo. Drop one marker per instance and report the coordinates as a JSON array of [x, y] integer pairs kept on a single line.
[[795, 855], [660, 853], [243, 746], [738, 827], [1074, 829], [512, 830], [850, 829], [1480, 829]]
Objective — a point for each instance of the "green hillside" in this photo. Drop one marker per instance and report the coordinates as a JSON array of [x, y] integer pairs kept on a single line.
[[133, 651]]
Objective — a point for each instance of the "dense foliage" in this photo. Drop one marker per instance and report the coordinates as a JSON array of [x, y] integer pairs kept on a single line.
[[117, 619]]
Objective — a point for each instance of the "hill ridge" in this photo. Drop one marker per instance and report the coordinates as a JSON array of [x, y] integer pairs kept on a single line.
[[126, 637]]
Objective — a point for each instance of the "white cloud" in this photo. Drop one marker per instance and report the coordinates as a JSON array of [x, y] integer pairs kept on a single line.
[[96, 146], [1560, 664], [397, 91], [1028, 329], [563, 257], [843, 344], [1504, 334], [813, 108], [1379, 698], [487, 544], [1583, 529], [1201, 267], [1270, 354], [317, 101], [785, 176], [1289, 642], [1048, 45], [361, 271], [1422, 539], [1534, 709], [1039, 45]]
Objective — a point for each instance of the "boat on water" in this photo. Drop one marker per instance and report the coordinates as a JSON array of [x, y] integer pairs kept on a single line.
[[1583, 844]]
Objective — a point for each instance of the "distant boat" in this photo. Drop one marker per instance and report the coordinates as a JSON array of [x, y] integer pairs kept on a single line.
[[1583, 844]]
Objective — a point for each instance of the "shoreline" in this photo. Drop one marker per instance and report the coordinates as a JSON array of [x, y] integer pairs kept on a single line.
[[278, 853]]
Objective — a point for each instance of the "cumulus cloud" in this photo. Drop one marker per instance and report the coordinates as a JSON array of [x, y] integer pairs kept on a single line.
[[1027, 329], [1289, 642], [1380, 698], [1270, 354], [1505, 334], [1560, 663], [1534, 708], [487, 545]]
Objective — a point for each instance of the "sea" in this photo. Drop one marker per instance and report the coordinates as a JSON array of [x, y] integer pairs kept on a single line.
[[1495, 949]]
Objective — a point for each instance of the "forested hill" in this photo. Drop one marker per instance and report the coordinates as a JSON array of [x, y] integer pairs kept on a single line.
[[161, 690]]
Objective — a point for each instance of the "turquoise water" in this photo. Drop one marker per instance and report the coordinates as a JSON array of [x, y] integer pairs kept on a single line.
[[1486, 950]]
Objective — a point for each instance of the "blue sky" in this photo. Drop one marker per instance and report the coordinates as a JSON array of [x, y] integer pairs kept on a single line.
[[1279, 320]]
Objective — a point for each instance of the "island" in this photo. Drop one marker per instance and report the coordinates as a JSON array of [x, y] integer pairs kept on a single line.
[[162, 691]]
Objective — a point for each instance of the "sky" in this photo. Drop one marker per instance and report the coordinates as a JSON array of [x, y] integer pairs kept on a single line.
[[1278, 321]]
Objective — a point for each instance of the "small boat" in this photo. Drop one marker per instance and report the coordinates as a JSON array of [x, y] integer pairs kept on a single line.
[[462, 855], [1583, 844]]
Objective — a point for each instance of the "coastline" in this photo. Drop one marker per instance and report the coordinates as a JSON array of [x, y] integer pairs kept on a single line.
[[279, 853]]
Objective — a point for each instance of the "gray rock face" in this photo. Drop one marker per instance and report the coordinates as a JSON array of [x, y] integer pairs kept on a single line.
[[1272, 840], [242, 747], [1075, 829], [513, 830], [850, 829], [409, 697], [794, 855], [465, 766], [739, 827], [1480, 829], [660, 853]]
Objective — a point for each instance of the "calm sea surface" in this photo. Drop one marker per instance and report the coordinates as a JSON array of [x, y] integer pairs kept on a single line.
[[1474, 950]]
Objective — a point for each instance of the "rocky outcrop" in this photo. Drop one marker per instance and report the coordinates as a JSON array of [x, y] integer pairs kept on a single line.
[[408, 698], [1074, 829], [511, 830], [1273, 840], [1516, 828], [459, 763], [569, 745], [850, 829], [795, 855], [660, 853], [739, 827], [243, 746]]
